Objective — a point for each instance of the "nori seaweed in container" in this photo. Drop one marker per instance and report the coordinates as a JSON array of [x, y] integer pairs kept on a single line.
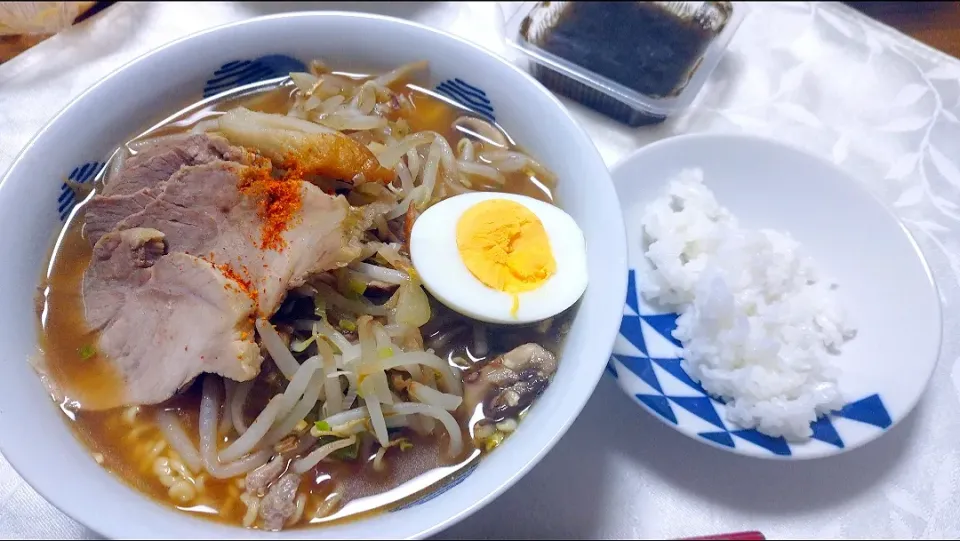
[[651, 50]]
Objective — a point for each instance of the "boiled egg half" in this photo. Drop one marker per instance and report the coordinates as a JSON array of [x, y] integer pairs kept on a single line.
[[500, 258]]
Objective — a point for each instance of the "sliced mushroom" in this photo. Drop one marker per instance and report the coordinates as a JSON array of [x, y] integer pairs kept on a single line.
[[515, 398], [531, 355], [510, 382], [499, 375]]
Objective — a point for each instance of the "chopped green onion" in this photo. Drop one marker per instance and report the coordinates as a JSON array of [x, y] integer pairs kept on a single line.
[[320, 307], [357, 286], [299, 346], [87, 352]]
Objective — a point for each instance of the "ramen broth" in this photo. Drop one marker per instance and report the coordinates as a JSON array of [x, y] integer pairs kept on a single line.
[[128, 442]]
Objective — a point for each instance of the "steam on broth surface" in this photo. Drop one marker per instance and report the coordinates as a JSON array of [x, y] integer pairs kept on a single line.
[[363, 391]]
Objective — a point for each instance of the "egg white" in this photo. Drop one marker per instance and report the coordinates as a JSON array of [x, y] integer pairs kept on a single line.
[[433, 250]]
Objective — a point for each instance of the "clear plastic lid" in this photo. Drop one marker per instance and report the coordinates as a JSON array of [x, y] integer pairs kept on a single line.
[[651, 57]]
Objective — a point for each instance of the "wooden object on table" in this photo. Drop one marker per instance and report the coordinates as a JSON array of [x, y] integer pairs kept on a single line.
[[935, 23], [11, 46], [45, 14], [740, 536]]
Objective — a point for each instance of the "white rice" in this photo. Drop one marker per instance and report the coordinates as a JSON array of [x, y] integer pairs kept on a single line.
[[758, 321]]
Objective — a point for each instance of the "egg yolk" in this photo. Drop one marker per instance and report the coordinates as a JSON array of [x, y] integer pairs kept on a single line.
[[505, 246]]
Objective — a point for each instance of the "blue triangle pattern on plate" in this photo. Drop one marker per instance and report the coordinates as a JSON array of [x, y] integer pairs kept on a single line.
[[632, 301], [642, 368], [612, 370], [824, 431], [676, 370], [664, 324], [723, 438], [658, 404], [631, 330], [700, 406], [777, 446], [868, 410]]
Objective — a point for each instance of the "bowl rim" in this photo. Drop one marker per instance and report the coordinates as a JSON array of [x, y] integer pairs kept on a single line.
[[863, 191], [113, 529]]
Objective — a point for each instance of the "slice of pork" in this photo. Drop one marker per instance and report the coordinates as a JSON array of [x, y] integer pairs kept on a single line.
[[142, 178], [103, 213], [202, 212], [165, 318], [156, 161]]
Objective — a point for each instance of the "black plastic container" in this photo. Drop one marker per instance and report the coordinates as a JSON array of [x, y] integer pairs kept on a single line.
[[636, 62]]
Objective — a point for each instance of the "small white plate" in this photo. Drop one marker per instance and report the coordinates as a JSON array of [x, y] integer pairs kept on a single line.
[[885, 285]]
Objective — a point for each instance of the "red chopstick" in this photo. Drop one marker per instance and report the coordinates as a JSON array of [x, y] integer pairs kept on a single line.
[[739, 536]]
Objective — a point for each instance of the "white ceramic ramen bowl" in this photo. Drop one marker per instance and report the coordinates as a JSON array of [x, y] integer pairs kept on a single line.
[[33, 434], [884, 283]]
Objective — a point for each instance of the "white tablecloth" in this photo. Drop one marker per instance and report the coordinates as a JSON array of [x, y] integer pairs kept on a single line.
[[819, 75]]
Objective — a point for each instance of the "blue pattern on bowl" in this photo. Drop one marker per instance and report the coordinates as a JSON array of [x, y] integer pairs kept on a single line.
[[455, 480], [80, 174], [244, 72], [648, 351], [469, 96]]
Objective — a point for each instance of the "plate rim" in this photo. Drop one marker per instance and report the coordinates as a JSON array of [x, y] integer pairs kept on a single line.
[[858, 185]]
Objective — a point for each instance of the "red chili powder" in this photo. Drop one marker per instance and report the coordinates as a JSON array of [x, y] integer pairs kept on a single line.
[[279, 199], [245, 284]]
